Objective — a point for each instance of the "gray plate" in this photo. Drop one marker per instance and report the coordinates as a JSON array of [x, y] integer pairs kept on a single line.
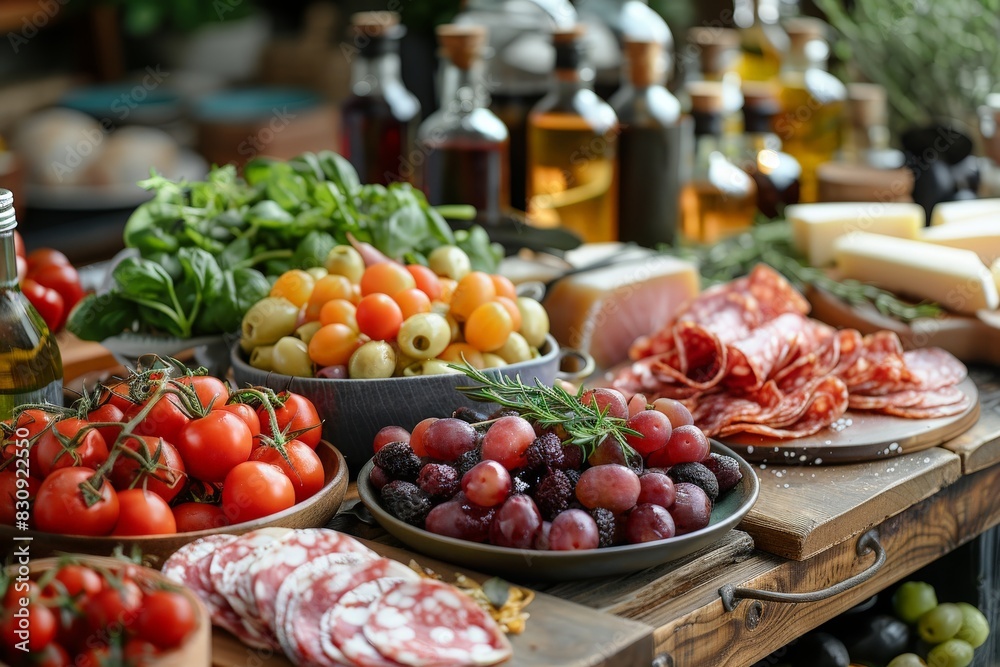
[[531, 565]]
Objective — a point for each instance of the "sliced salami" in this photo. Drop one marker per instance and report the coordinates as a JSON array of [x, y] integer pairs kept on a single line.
[[190, 566], [342, 627], [259, 587], [313, 588], [428, 623]]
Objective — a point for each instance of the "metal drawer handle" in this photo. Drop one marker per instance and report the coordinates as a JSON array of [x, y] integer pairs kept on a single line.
[[731, 595]]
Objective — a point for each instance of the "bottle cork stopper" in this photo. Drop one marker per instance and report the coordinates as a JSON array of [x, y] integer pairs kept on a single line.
[[759, 94], [714, 44], [706, 96], [646, 62], [569, 35], [462, 43], [804, 29], [867, 105], [376, 24]]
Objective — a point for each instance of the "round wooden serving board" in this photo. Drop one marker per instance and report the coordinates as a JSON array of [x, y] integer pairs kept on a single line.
[[859, 436]]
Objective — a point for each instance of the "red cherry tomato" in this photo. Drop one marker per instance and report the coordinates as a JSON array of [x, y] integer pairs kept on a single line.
[[61, 508], [143, 513], [212, 445], [53, 655], [48, 302], [139, 651], [165, 419], [114, 604], [8, 494], [199, 516], [63, 278], [74, 580], [210, 390], [97, 656], [296, 414], [163, 474], [90, 450], [45, 256], [107, 413], [303, 467], [247, 414], [117, 394], [253, 490], [20, 590], [41, 625], [166, 619]]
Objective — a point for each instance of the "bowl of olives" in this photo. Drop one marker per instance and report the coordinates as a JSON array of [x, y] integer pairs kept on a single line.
[[355, 409]]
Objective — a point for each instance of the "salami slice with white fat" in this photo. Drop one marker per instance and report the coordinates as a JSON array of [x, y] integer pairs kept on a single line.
[[191, 566], [313, 588], [258, 587], [428, 623], [342, 627]]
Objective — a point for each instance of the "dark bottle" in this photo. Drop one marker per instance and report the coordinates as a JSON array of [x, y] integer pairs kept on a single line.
[[464, 144], [381, 116], [651, 147], [777, 174]]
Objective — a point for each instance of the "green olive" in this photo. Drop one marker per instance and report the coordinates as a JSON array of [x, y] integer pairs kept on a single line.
[[424, 336], [343, 260], [291, 357], [402, 361], [374, 359], [515, 349], [317, 272], [307, 331], [267, 321], [534, 321], [456, 329], [450, 261], [262, 358], [429, 367], [491, 360]]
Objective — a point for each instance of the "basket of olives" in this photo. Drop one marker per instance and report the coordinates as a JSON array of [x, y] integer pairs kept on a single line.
[[376, 345]]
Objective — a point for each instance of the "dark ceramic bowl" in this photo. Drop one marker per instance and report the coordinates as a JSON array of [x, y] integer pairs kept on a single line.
[[531, 565], [353, 411]]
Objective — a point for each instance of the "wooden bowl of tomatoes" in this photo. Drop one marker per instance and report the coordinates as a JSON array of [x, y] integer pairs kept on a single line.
[[89, 610], [162, 462]]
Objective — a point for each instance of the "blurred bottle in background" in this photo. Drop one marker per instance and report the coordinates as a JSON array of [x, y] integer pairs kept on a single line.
[[776, 174], [381, 116], [572, 150], [464, 145], [763, 42], [652, 144], [718, 60]]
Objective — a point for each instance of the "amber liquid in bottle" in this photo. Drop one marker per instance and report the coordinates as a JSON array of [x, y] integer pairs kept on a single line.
[[468, 172]]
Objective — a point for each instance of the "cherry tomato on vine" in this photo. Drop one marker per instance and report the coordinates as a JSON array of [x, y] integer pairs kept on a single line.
[[166, 619], [296, 414], [118, 603], [18, 590], [60, 506], [210, 390], [139, 651], [212, 445], [166, 419], [199, 516], [42, 628], [246, 413], [140, 466], [53, 655], [74, 580], [254, 489], [117, 394], [302, 467], [90, 450], [143, 513], [107, 413]]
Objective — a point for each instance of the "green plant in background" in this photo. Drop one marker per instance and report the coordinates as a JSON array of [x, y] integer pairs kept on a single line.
[[936, 59], [144, 17]]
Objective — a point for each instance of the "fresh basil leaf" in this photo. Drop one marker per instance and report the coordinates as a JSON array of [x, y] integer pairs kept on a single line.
[[268, 213], [162, 322], [403, 230], [258, 170], [289, 190], [313, 249], [483, 255], [340, 171], [170, 264], [200, 268], [307, 165], [236, 252], [101, 316], [141, 279]]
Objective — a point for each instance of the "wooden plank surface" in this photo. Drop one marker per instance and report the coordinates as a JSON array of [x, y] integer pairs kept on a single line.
[[559, 632], [805, 510], [979, 447], [82, 357]]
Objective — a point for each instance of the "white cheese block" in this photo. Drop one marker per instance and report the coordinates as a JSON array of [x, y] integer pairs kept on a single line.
[[954, 278], [980, 235], [953, 211], [603, 311], [816, 226]]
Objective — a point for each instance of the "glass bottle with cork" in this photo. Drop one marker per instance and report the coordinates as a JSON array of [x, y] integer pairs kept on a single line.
[[653, 140], [776, 173], [718, 59], [572, 150], [380, 118], [763, 42], [464, 145], [812, 102], [720, 199], [30, 364]]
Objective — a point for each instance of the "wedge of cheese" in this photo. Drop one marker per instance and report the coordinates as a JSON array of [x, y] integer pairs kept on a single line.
[[948, 212], [980, 235], [816, 226], [603, 311], [954, 278]]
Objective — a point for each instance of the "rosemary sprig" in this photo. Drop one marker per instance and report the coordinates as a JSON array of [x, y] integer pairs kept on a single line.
[[550, 407], [771, 243]]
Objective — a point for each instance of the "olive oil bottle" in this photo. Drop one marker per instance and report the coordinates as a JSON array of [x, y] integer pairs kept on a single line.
[[30, 363], [763, 42]]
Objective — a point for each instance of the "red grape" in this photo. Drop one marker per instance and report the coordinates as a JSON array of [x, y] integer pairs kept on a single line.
[[447, 439], [648, 522], [692, 509], [611, 486], [612, 451], [391, 434], [572, 530], [542, 538], [609, 401], [461, 520], [687, 444], [487, 484], [654, 428], [378, 478], [417, 436], [636, 404], [333, 372], [507, 440], [657, 489], [675, 411], [516, 523]]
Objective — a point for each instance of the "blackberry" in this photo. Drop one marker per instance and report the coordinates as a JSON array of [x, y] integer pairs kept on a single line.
[[554, 493], [398, 461], [697, 474], [439, 480], [607, 527], [545, 450], [469, 415], [504, 412], [466, 461], [406, 502], [572, 457], [573, 476]]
